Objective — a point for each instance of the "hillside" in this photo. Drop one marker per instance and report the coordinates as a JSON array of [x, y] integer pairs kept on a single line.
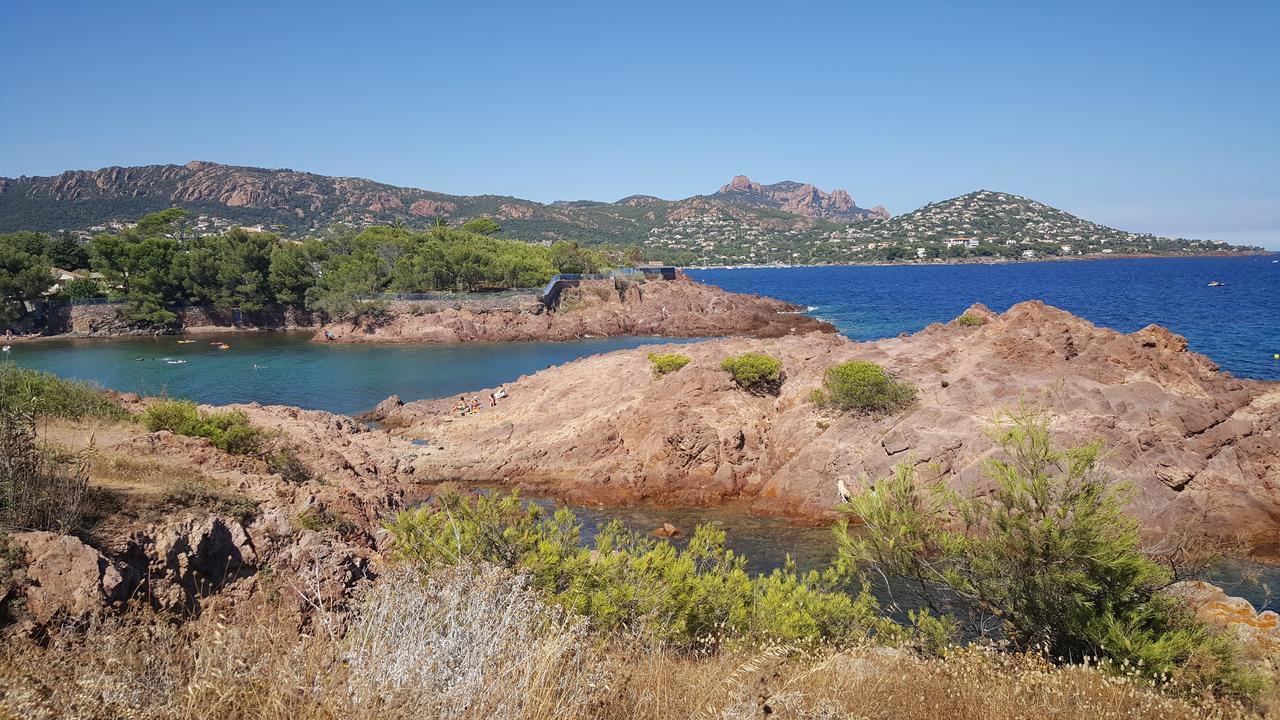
[[981, 224], [744, 222], [300, 203]]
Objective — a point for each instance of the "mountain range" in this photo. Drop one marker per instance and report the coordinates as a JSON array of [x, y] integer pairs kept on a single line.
[[744, 222], [301, 203]]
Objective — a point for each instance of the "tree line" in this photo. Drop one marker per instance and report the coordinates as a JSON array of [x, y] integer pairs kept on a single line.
[[157, 265]]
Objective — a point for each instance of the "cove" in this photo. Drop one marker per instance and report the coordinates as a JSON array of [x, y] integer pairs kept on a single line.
[[285, 368]]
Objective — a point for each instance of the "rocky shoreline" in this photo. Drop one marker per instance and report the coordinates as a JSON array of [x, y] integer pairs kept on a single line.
[[195, 529], [598, 308], [1201, 447]]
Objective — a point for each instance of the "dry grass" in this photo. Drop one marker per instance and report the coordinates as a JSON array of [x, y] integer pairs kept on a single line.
[[476, 644]]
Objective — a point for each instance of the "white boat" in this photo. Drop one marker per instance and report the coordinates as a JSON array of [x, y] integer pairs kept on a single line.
[[1216, 283]]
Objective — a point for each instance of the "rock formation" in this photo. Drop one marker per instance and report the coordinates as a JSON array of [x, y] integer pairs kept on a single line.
[[676, 308], [799, 198], [1201, 447]]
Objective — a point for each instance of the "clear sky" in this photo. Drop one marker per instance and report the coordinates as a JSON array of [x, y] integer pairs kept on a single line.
[[1149, 116]]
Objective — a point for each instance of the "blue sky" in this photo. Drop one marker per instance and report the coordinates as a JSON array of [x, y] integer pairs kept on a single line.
[[1149, 116]]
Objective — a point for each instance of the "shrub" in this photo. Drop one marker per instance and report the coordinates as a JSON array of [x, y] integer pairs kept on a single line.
[[81, 288], [318, 518], [229, 430], [667, 362], [862, 386], [755, 373], [287, 465], [193, 494], [1050, 560], [45, 394], [695, 596], [967, 320], [38, 489]]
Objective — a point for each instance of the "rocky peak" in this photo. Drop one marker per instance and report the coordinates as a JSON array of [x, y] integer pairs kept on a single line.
[[741, 183], [803, 199]]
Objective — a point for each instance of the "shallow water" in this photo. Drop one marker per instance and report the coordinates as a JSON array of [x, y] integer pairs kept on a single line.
[[768, 542], [285, 368]]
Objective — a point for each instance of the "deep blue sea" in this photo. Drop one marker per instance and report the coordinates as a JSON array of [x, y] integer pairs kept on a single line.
[[1237, 325]]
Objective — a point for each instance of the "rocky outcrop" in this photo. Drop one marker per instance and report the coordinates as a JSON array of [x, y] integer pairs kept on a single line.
[[1201, 447], [1258, 633], [799, 198], [64, 578], [676, 308], [233, 528]]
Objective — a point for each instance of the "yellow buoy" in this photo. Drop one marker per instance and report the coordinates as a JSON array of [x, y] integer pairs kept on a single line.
[[1276, 356]]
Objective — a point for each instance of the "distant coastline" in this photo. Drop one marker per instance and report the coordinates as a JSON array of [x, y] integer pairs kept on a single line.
[[933, 262]]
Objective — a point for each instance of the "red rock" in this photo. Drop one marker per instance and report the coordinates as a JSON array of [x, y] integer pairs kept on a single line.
[[64, 577], [675, 308], [1202, 448]]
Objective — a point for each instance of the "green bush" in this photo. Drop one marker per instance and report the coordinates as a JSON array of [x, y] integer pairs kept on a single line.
[[862, 386], [968, 320], [1049, 560], [695, 596], [229, 431], [81, 288], [667, 362], [44, 394], [755, 373]]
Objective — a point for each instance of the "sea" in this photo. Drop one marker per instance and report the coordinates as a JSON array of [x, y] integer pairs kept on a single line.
[[1236, 324]]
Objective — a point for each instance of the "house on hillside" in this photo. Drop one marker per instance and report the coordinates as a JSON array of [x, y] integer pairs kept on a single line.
[[59, 279]]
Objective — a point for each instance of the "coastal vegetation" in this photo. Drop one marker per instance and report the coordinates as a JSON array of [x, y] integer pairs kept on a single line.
[[228, 430], [756, 373], [664, 363], [36, 393], [698, 596], [863, 387], [970, 320], [159, 264], [1049, 561], [39, 489]]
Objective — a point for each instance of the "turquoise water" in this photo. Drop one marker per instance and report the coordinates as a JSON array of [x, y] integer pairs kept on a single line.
[[287, 369]]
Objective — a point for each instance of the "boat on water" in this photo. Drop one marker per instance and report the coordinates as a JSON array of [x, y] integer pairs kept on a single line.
[[1216, 283], [176, 362], [185, 342]]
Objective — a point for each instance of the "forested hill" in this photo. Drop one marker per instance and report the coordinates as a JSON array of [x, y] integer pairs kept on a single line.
[[296, 204], [744, 222]]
